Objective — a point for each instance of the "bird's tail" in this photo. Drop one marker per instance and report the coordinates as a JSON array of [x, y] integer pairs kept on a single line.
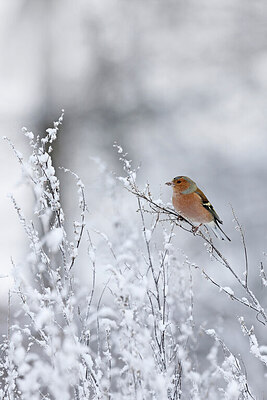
[[217, 230]]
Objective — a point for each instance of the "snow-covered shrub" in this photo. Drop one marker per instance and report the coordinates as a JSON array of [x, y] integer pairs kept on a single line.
[[137, 339]]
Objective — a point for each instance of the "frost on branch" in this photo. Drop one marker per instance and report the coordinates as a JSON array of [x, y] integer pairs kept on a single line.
[[134, 337], [258, 351], [230, 370]]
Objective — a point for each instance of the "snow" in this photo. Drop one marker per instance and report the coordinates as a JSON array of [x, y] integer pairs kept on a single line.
[[54, 239], [50, 171], [210, 332], [43, 318], [28, 134], [148, 234], [233, 391], [227, 290], [43, 158]]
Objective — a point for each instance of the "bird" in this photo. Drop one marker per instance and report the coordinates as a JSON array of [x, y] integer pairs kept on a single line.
[[191, 203]]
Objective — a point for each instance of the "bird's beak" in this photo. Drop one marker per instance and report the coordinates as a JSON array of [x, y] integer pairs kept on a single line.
[[169, 183]]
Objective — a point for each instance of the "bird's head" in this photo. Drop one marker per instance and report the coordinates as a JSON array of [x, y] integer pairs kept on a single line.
[[182, 184]]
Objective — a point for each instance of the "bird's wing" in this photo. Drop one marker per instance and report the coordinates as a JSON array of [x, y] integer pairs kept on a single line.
[[208, 205]]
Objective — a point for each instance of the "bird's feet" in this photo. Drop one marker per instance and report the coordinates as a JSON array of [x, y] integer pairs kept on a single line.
[[195, 229]]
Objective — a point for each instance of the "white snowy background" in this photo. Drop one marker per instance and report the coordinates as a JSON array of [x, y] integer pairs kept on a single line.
[[181, 86]]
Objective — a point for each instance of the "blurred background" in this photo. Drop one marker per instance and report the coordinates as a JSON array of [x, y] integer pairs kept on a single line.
[[180, 85]]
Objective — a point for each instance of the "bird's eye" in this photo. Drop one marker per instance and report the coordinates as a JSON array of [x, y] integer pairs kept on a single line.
[[178, 181]]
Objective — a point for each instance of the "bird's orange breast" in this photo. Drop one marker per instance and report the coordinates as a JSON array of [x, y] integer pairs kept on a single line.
[[190, 206]]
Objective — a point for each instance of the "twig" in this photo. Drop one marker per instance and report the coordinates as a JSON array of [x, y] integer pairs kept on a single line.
[[244, 245]]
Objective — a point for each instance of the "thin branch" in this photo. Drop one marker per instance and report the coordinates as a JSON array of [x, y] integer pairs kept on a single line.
[[244, 245]]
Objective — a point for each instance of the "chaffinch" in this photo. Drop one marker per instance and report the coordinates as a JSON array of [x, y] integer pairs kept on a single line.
[[191, 203]]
